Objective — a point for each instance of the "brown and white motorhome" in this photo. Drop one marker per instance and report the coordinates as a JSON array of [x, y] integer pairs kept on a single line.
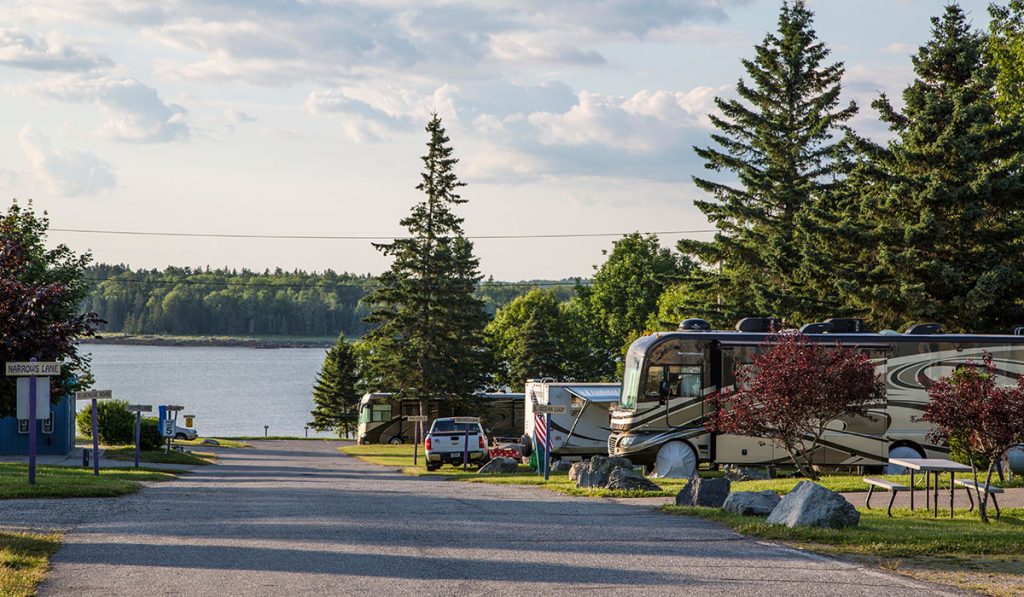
[[669, 433]]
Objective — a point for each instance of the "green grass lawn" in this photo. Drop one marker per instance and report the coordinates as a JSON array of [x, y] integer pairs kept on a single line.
[[159, 456], [24, 561], [221, 442], [68, 482]]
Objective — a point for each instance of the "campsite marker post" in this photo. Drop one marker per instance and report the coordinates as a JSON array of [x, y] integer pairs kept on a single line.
[[138, 409], [95, 395], [169, 423], [547, 410], [417, 419], [467, 421], [33, 370]]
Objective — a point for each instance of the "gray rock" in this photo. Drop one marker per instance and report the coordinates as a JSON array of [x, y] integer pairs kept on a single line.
[[747, 474], [499, 465], [627, 478], [560, 466], [574, 470], [810, 504], [210, 442], [751, 503], [595, 472], [710, 493]]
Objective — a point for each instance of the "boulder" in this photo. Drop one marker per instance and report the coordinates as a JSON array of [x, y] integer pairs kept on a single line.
[[210, 442], [560, 466], [499, 465], [627, 478], [710, 493], [747, 474], [595, 472], [810, 504], [751, 503]]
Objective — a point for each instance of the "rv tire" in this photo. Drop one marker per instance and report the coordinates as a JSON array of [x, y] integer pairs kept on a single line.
[[527, 444], [678, 458], [396, 441], [902, 450]]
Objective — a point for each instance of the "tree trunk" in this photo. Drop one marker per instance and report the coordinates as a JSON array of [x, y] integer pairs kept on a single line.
[[988, 479], [977, 491]]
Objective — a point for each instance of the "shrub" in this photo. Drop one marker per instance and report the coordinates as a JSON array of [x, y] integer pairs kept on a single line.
[[149, 437], [117, 425]]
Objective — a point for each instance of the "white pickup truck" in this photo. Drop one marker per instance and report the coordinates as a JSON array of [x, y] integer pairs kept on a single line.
[[446, 443]]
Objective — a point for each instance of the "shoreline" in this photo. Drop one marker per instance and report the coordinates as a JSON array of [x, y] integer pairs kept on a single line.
[[220, 341]]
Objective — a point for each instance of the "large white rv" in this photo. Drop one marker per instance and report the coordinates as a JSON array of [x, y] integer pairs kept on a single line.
[[383, 419], [668, 431], [583, 429]]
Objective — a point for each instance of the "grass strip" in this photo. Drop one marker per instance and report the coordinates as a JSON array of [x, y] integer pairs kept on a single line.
[[221, 442], [69, 482], [24, 561], [127, 453]]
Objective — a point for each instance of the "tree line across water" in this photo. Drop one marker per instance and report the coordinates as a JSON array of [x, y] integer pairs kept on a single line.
[[232, 302]]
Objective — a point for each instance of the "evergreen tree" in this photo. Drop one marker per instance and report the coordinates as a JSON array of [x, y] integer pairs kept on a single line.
[[940, 206], [778, 139], [538, 353], [336, 393], [429, 340], [1006, 51]]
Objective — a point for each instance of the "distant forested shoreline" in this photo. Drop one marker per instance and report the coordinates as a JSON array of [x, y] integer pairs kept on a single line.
[[239, 302]]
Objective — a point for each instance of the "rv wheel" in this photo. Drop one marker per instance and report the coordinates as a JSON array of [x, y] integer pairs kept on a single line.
[[395, 441], [675, 460], [901, 451]]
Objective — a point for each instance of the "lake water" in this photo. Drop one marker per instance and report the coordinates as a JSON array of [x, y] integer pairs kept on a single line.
[[232, 391]]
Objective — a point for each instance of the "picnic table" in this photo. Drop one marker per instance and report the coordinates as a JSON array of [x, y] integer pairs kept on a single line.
[[930, 467]]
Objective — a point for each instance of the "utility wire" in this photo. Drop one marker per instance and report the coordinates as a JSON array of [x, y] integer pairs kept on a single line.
[[385, 238], [371, 286]]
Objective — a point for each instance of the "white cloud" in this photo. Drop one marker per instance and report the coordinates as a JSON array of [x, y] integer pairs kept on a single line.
[[238, 117], [371, 113], [134, 112], [66, 173], [21, 50]]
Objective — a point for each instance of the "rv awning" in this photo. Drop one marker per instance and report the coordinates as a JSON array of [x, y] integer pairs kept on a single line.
[[596, 393]]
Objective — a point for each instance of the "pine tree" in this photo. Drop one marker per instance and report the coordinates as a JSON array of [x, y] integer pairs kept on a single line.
[[1006, 52], [336, 393], [778, 139], [940, 206], [429, 339], [537, 354]]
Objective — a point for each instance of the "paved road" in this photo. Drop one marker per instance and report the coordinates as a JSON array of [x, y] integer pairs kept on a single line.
[[297, 518]]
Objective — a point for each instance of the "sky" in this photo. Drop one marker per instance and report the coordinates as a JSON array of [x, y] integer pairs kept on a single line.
[[305, 117]]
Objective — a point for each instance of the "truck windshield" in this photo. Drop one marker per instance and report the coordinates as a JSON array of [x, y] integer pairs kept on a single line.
[[441, 426]]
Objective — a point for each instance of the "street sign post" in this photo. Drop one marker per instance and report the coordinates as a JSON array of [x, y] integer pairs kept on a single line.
[[169, 424], [416, 433], [551, 409], [95, 395], [138, 409], [467, 421], [547, 410], [33, 369]]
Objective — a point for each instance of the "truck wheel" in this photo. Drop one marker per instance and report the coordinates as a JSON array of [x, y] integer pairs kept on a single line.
[[675, 460], [527, 443], [431, 467]]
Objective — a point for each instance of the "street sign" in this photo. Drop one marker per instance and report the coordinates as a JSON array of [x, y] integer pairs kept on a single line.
[[174, 408], [550, 409], [469, 420], [94, 395], [416, 418], [36, 368], [42, 396], [139, 408], [168, 428]]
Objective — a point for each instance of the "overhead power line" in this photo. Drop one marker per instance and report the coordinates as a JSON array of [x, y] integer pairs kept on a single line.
[[243, 284], [384, 237]]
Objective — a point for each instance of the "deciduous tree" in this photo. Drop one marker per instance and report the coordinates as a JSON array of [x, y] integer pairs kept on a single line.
[[970, 409], [793, 390], [40, 293]]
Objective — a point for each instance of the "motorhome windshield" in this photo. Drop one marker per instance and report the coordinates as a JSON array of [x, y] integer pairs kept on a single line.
[[631, 380], [649, 364]]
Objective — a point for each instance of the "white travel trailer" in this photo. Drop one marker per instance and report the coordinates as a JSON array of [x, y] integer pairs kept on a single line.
[[583, 429], [660, 420]]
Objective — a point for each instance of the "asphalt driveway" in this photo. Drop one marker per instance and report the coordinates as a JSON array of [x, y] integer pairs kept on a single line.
[[298, 518]]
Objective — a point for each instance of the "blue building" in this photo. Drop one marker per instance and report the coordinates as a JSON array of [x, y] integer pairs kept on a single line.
[[56, 435]]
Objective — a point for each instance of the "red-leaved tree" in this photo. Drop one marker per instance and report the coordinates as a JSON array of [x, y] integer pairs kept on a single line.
[[969, 408], [40, 293], [793, 390]]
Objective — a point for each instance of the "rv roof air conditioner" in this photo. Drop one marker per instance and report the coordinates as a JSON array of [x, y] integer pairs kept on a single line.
[[694, 325], [847, 325], [922, 329], [816, 328], [759, 325]]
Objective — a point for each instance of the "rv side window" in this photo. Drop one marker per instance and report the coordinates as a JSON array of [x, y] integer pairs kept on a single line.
[[381, 412]]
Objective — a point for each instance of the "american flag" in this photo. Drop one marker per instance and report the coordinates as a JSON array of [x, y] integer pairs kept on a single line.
[[538, 429]]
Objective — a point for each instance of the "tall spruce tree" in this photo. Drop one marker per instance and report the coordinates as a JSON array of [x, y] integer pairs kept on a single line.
[[336, 391], [537, 354], [779, 140], [1006, 53], [940, 206], [428, 342]]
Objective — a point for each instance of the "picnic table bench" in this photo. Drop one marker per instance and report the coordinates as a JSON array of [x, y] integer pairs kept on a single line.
[[893, 488], [969, 485]]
